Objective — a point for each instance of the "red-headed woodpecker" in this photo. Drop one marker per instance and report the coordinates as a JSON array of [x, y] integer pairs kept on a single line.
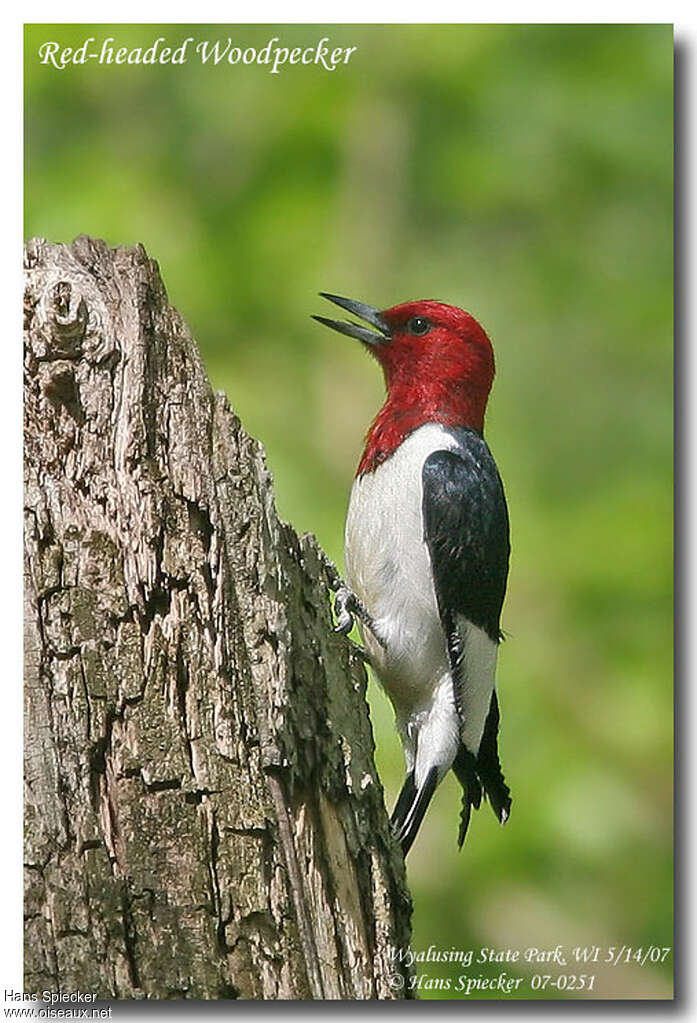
[[427, 549]]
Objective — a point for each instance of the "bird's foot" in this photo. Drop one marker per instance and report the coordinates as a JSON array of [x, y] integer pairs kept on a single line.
[[348, 607]]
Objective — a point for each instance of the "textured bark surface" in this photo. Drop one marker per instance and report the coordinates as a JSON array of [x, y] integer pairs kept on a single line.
[[203, 817]]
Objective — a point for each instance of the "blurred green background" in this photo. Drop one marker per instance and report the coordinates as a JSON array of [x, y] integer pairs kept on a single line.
[[524, 173]]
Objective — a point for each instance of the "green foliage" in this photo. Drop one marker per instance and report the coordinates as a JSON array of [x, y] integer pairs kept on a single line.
[[525, 173]]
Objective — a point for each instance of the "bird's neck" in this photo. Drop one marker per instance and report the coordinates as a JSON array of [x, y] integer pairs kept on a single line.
[[406, 409]]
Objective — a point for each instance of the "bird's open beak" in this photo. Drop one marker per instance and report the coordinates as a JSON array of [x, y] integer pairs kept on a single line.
[[363, 312]]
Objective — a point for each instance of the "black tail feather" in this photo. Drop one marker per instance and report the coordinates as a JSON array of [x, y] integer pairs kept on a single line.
[[404, 800], [414, 813], [488, 766], [482, 775], [466, 772]]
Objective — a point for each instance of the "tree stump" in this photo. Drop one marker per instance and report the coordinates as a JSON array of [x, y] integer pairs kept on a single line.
[[203, 816]]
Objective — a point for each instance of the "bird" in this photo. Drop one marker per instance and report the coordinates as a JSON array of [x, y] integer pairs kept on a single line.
[[427, 549]]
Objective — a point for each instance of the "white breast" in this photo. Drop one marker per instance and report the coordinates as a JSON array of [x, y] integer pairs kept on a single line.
[[388, 567]]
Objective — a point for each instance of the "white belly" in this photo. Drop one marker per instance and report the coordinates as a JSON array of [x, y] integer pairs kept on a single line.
[[388, 567]]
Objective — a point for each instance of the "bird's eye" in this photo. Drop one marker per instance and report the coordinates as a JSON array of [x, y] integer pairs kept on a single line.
[[419, 325]]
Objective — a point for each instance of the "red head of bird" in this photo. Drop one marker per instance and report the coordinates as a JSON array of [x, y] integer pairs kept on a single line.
[[438, 365]]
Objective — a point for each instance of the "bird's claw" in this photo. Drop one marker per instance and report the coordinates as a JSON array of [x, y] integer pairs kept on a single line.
[[346, 604], [347, 607]]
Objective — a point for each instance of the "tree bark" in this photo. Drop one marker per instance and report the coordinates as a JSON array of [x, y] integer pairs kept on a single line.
[[203, 817]]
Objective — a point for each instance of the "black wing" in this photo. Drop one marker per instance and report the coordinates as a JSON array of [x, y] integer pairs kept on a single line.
[[466, 531], [467, 534]]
